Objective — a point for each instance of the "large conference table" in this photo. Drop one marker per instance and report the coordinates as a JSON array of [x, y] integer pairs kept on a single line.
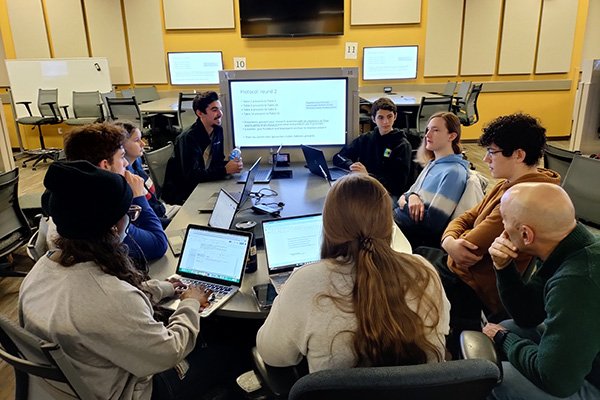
[[303, 194]]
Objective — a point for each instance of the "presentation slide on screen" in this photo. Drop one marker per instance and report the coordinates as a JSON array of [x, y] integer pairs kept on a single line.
[[390, 62], [289, 112], [195, 68]]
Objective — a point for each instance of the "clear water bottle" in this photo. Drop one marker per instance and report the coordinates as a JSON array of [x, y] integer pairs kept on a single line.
[[235, 153]]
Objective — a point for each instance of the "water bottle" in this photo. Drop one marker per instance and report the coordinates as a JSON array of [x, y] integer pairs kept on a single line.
[[235, 153]]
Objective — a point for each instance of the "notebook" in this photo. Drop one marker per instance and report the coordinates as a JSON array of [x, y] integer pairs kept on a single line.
[[242, 196], [290, 243], [316, 163], [223, 211], [214, 258]]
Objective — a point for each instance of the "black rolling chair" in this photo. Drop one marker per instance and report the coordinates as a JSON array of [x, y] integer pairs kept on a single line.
[[49, 115], [469, 115], [461, 95], [41, 368], [470, 379], [185, 113], [87, 108], [157, 165], [14, 227], [428, 107], [558, 160]]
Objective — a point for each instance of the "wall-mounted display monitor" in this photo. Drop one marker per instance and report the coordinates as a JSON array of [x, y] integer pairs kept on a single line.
[[266, 108], [291, 18], [195, 68], [389, 63]]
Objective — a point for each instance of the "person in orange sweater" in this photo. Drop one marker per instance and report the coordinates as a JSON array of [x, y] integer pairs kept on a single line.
[[514, 145]]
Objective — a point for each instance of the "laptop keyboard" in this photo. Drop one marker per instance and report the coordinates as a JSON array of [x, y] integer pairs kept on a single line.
[[263, 174], [219, 293], [337, 173]]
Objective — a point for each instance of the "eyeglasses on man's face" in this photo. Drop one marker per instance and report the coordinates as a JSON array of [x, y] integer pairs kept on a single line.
[[490, 152]]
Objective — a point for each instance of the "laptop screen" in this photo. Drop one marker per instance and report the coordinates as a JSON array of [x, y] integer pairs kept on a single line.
[[224, 211], [292, 242], [214, 255], [249, 182]]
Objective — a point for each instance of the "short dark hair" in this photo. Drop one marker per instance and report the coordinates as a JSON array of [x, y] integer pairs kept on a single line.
[[202, 100], [127, 126], [516, 131], [94, 142], [383, 104]]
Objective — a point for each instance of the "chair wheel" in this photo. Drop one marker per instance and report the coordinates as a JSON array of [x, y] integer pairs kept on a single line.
[[34, 168], [24, 165]]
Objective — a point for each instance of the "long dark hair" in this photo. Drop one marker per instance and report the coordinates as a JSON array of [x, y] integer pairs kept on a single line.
[[357, 229]]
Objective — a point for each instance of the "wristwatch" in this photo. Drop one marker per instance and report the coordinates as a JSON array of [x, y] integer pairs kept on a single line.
[[500, 337]]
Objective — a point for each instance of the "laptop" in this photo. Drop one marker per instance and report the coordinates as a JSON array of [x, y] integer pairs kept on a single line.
[[242, 196], [224, 211], [214, 258], [316, 163], [263, 174], [291, 243]]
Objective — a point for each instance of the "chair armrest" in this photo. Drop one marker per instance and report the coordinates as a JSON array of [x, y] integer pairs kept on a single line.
[[52, 105], [26, 104], [277, 380], [102, 116], [474, 344], [66, 108]]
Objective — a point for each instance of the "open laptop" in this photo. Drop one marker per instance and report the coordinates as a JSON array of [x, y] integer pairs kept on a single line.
[[263, 174], [291, 243], [224, 211], [316, 163], [242, 196], [214, 258]]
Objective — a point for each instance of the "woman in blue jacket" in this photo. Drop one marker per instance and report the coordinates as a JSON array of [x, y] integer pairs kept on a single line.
[[425, 209]]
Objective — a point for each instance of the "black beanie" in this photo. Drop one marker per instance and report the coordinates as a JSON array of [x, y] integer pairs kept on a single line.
[[84, 201]]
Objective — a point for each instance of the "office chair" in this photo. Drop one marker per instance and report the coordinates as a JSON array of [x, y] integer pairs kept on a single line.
[[157, 165], [461, 95], [87, 108], [449, 89], [49, 115], [582, 185], [471, 378], [124, 108], [41, 368], [145, 94], [127, 93], [14, 227], [470, 115], [558, 159], [185, 113], [428, 107]]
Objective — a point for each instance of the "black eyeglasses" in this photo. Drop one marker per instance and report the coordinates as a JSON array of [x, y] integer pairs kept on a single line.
[[490, 152]]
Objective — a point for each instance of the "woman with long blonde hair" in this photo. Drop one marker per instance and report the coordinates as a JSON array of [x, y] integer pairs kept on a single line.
[[363, 304], [424, 210]]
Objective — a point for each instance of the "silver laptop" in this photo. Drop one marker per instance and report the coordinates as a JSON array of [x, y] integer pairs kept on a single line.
[[214, 258], [242, 196], [223, 211], [291, 243]]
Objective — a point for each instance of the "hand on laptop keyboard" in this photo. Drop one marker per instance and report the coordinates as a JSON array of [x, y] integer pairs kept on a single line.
[[199, 293]]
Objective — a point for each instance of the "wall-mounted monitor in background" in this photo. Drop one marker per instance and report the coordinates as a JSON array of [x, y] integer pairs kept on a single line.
[[291, 18], [288, 112], [389, 63], [195, 68]]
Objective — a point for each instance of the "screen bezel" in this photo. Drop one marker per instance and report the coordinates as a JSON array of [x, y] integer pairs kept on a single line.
[[194, 52], [365, 50]]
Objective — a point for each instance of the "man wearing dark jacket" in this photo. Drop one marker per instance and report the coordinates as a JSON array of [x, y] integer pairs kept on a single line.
[[383, 153], [198, 155]]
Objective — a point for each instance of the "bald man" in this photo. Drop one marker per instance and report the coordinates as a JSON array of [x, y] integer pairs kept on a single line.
[[562, 357]]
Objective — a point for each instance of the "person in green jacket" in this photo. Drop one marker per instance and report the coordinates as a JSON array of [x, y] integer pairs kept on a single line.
[[561, 357]]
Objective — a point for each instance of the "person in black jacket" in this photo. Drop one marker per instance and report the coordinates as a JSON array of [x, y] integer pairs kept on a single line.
[[198, 155], [383, 153]]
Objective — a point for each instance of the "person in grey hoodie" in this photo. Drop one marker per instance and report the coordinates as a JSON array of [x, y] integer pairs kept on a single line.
[[424, 210]]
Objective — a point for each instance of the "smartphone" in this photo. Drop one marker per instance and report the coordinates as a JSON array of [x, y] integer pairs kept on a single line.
[[264, 295]]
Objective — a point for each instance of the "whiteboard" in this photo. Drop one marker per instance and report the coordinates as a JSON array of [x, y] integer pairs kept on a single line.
[[26, 76]]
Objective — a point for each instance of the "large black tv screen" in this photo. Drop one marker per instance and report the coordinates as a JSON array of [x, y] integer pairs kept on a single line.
[[291, 18]]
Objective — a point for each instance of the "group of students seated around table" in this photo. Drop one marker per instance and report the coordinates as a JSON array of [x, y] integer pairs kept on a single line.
[[363, 304]]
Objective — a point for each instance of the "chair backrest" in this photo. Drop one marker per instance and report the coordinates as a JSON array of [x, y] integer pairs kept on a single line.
[[157, 164], [126, 109], [449, 88], [472, 114], [473, 194], [461, 379], [127, 93], [31, 356], [87, 104], [46, 96], [558, 159], [582, 183], [428, 107], [463, 91], [14, 227], [146, 94], [185, 113]]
